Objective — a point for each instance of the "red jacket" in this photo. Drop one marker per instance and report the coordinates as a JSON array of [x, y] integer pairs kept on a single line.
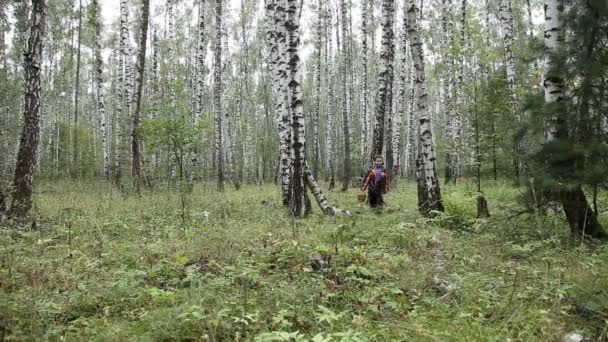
[[371, 177]]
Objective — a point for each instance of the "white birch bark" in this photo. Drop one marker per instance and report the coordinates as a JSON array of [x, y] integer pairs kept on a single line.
[[217, 96], [429, 193], [365, 4], [506, 20], [553, 83], [201, 53], [345, 97], [329, 124], [277, 41], [383, 106], [300, 203], [30, 134], [99, 92]]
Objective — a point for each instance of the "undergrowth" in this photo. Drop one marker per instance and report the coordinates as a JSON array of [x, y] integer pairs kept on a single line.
[[235, 266]]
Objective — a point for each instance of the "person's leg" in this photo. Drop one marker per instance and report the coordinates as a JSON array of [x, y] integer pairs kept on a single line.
[[373, 199]]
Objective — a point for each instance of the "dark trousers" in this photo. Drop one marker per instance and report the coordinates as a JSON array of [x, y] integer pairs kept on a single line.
[[375, 199]]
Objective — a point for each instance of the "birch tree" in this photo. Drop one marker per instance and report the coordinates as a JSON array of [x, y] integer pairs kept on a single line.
[[345, 97], [30, 133], [429, 193], [383, 104], [217, 96], [136, 155], [506, 19], [581, 217], [99, 91]]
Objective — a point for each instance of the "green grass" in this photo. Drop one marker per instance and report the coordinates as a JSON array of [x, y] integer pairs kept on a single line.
[[108, 267]]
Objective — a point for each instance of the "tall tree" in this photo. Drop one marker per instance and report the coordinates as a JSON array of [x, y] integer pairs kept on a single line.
[[429, 193], [30, 133], [506, 19], [278, 67], [99, 90], [136, 155], [300, 203], [329, 113], [217, 95], [365, 8], [581, 217], [201, 53], [77, 89], [346, 56], [385, 82]]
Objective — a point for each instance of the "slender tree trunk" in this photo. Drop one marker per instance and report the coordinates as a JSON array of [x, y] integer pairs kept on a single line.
[[217, 95], [75, 165], [317, 99], [329, 73], [201, 53], [346, 174], [136, 157], [30, 134], [383, 106], [506, 19], [100, 95], [365, 4], [429, 193]]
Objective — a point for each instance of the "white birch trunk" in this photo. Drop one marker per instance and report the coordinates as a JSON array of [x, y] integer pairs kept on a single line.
[[100, 95], [217, 96], [553, 83], [329, 124], [300, 203], [345, 97], [429, 193]]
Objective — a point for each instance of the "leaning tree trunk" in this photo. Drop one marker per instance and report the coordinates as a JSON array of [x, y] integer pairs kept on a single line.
[[429, 193], [30, 133], [581, 217], [136, 158], [100, 96], [217, 96], [383, 106]]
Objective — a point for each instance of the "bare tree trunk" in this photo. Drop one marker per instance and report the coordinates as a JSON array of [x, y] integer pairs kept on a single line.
[[217, 95], [277, 39], [329, 140], [364, 98], [100, 95], [429, 193], [506, 19], [136, 158], [383, 106], [300, 203], [345, 93], [76, 170], [317, 99], [30, 134]]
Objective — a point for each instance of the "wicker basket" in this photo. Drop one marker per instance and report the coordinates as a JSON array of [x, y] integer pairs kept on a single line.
[[361, 196]]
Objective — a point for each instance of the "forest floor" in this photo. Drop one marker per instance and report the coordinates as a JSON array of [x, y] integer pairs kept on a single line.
[[235, 266]]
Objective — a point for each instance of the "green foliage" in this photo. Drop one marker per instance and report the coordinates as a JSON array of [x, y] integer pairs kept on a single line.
[[134, 269]]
